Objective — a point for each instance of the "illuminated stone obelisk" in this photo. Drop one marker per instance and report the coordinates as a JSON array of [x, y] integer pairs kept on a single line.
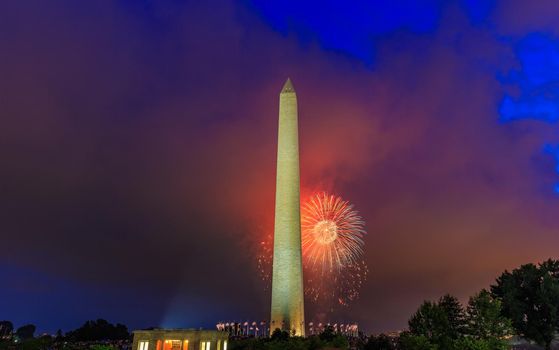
[[288, 312]]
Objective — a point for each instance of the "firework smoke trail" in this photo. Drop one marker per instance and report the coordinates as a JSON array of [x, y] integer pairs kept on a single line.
[[332, 242]]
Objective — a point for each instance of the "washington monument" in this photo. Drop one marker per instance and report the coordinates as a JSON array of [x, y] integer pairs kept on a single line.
[[288, 311]]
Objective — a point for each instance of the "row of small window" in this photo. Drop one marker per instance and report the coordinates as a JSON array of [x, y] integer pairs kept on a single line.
[[176, 345]]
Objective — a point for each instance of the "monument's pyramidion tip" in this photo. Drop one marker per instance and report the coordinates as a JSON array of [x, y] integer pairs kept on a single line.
[[287, 87]]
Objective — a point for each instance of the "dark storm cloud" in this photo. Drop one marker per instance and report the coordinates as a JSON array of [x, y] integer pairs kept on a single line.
[[138, 153]]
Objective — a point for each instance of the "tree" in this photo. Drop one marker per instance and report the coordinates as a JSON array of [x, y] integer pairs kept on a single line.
[[26, 332], [409, 341], [382, 342], [442, 323], [466, 343], [328, 334], [6, 329], [330, 338], [530, 298], [339, 342], [431, 322], [454, 314], [314, 343], [59, 336], [99, 330], [485, 320], [279, 335]]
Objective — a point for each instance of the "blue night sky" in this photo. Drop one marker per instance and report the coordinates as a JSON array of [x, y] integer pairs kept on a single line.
[[137, 145]]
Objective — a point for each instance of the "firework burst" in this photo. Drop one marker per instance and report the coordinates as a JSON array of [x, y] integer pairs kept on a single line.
[[332, 242], [332, 233]]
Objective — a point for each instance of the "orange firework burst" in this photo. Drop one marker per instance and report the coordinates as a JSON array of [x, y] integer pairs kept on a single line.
[[332, 233], [332, 241]]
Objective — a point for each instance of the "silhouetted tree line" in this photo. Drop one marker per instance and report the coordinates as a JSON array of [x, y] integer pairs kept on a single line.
[[524, 302], [6, 329], [22, 333], [447, 325], [96, 331]]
